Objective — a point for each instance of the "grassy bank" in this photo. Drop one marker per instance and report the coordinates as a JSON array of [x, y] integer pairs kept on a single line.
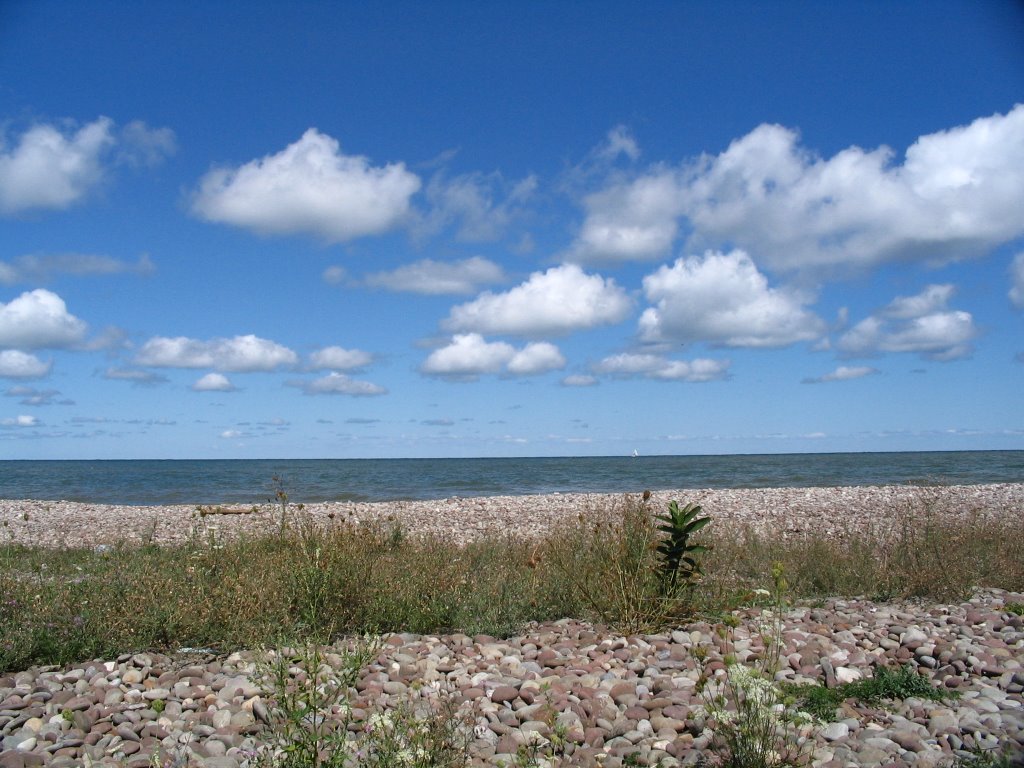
[[309, 582]]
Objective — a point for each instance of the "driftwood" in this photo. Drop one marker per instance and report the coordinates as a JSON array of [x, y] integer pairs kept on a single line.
[[204, 511]]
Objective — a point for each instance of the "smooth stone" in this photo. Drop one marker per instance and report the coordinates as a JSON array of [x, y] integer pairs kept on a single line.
[[835, 731]]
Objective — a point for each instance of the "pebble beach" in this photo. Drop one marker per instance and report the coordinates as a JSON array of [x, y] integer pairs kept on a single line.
[[618, 700], [833, 511]]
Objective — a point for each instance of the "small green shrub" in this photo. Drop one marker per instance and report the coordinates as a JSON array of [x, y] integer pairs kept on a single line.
[[902, 683], [626, 573], [678, 555]]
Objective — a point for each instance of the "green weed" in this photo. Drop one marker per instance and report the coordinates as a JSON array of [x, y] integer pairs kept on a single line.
[[885, 684]]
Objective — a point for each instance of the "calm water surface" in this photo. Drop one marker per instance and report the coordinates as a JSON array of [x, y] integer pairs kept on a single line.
[[311, 480]]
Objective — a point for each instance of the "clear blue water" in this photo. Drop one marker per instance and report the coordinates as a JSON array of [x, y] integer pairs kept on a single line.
[[311, 480]]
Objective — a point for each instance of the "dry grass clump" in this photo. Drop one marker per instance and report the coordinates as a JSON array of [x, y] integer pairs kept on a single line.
[[309, 582], [919, 551]]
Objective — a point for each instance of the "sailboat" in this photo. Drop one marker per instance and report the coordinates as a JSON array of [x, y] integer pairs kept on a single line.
[[635, 454]]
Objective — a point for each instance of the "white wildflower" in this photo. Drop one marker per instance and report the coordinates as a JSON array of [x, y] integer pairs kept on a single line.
[[379, 721]]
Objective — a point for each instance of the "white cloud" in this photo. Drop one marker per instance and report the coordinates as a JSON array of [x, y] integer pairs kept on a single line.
[[38, 319], [1017, 278], [339, 359], [843, 373], [629, 364], [49, 168], [630, 220], [239, 354], [932, 299], [698, 370], [20, 422], [339, 384], [722, 298], [957, 193], [43, 267], [15, 364], [54, 167], [536, 357], [439, 277], [619, 141], [469, 355], [309, 187], [213, 382], [561, 300], [480, 206], [921, 324], [579, 380]]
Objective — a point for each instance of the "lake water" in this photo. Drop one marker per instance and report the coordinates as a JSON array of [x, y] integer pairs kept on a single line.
[[312, 480]]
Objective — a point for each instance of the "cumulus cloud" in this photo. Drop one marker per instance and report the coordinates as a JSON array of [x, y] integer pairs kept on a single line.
[[336, 383], [480, 206], [50, 168], [239, 354], [439, 277], [15, 364], [932, 299], [561, 300], [843, 373], [39, 268], [579, 380], [722, 299], [213, 382], [630, 364], [469, 355], [339, 359], [630, 220], [309, 187], [921, 324], [956, 194], [536, 357], [1017, 281], [38, 319], [54, 167]]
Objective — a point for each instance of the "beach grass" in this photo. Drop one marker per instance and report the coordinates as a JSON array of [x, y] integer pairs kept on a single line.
[[315, 582]]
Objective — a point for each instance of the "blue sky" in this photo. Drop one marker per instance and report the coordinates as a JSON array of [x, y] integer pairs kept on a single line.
[[479, 229]]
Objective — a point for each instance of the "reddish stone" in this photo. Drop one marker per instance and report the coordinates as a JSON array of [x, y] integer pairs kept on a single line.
[[504, 693], [593, 737], [636, 713]]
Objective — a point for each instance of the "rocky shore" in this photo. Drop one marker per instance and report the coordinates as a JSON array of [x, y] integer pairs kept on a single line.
[[617, 700], [831, 511]]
